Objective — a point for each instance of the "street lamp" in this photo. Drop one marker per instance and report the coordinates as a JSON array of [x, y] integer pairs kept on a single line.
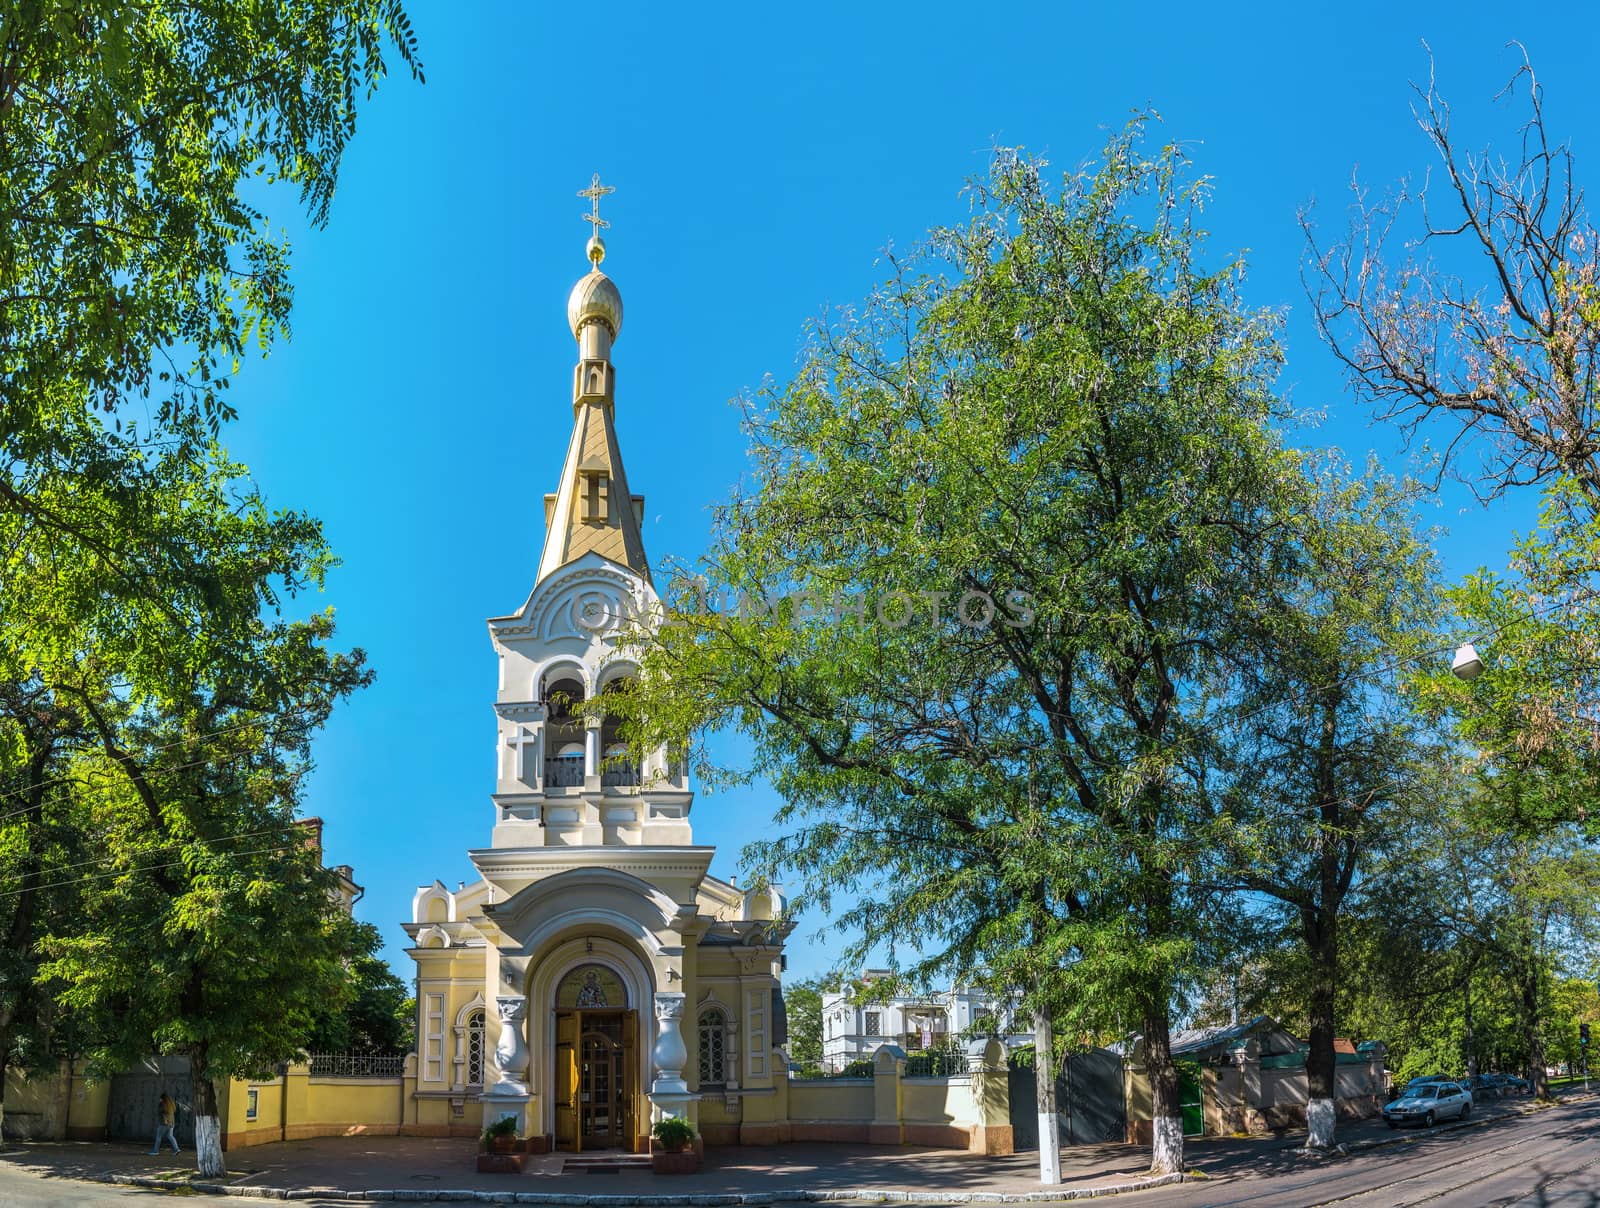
[[1466, 665]]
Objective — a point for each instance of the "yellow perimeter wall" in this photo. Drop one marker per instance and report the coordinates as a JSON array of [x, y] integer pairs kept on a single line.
[[962, 1112], [295, 1105], [287, 1108], [65, 1104]]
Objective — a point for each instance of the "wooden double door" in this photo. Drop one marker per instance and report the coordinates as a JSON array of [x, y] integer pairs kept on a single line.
[[597, 1075]]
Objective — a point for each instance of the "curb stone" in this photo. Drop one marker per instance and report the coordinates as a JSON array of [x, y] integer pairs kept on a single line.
[[730, 1199]]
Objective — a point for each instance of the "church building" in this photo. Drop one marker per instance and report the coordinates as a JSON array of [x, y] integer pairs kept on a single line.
[[595, 976]]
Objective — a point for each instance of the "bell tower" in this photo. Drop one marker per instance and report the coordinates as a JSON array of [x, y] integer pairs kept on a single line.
[[595, 976], [564, 776]]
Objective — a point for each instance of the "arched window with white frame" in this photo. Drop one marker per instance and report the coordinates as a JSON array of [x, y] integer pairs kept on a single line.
[[713, 1047]]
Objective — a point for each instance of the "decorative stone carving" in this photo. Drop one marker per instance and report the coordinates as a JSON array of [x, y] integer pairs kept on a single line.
[[511, 1052]]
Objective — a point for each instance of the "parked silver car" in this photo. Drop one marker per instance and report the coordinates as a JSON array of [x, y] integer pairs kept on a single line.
[[1428, 1102]]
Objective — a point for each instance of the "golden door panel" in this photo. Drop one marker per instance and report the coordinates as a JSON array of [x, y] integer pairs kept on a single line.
[[566, 1098], [630, 1082]]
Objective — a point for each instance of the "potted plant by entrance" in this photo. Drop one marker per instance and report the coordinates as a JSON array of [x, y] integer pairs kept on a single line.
[[672, 1147], [501, 1136], [501, 1150]]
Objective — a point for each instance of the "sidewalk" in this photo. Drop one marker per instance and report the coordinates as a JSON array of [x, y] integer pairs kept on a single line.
[[414, 1168]]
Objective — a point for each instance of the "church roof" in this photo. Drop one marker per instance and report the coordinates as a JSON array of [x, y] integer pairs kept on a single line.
[[593, 455], [592, 511]]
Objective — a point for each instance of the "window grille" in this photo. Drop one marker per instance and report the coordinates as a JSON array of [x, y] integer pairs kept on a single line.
[[872, 1024], [713, 1048], [475, 1049]]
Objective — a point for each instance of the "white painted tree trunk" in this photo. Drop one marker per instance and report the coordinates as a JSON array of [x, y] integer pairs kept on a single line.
[[1044, 1072], [1166, 1148], [1319, 1124], [208, 1147]]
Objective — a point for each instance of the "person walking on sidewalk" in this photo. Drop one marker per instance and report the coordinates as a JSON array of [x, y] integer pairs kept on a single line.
[[166, 1117]]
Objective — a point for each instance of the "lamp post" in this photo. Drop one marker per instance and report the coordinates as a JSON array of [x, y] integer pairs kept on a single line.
[[1466, 665]]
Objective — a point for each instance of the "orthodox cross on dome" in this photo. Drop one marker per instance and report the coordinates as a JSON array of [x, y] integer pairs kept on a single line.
[[594, 193]]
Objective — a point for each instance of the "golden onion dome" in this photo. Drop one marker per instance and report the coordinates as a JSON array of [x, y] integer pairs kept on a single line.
[[595, 297]]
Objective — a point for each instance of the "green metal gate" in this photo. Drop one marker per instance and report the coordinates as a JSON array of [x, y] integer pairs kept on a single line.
[[1190, 1106]]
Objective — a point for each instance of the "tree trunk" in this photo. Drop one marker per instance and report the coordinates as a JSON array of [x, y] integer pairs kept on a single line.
[[1166, 1116], [207, 1127], [1539, 1084], [1044, 1069], [1321, 1062], [1319, 920]]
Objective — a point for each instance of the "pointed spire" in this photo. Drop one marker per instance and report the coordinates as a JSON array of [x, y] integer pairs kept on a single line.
[[592, 510]]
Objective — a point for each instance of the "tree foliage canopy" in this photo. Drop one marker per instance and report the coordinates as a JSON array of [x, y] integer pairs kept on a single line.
[[1001, 531]]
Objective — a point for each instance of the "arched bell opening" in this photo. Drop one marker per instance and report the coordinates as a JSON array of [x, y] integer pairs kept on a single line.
[[564, 731], [620, 767]]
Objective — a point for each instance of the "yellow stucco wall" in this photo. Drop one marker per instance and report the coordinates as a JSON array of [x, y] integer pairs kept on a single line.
[[839, 1099], [63, 1104], [938, 1100], [353, 1101]]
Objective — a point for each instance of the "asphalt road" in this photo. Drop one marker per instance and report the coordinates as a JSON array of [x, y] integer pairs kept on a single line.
[[1551, 1158], [1548, 1158], [18, 1190]]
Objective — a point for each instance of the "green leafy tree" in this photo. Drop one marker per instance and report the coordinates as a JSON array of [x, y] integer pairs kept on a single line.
[[136, 269], [39, 848], [201, 924], [80, 632], [212, 929], [803, 1004], [380, 1014], [1018, 496], [1529, 908], [1323, 751], [1573, 1002], [1494, 919], [135, 261]]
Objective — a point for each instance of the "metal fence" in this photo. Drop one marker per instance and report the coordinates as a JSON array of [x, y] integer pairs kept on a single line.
[[936, 1063], [357, 1065]]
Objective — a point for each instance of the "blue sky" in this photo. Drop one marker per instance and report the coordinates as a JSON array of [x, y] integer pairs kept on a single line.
[[763, 156]]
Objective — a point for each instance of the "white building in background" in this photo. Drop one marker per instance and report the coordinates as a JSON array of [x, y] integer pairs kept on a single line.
[[856, 1025]]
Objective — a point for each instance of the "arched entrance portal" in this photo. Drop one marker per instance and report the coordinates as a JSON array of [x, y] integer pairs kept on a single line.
[[596, 1065]]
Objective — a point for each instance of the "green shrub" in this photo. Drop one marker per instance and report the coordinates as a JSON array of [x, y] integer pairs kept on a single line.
[[673, 1133], [861, 1068], [506, 1126]]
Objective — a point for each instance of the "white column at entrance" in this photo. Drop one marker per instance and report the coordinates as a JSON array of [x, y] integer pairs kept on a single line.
[[668, 1091], [511, 1051], [509, 1096]]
